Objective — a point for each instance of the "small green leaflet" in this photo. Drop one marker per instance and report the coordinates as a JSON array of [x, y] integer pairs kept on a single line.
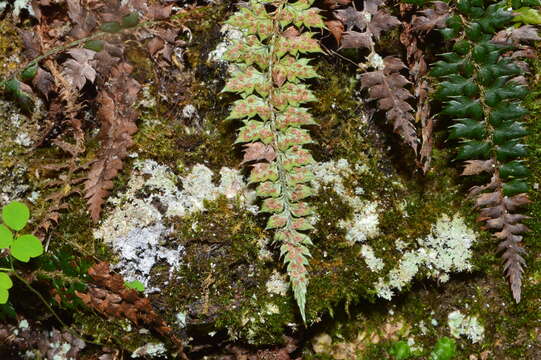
[[249, 107], [291, 94], [295, 69], [302, 43], [15, 215], [527, 15], [253, 20], [250, 50], [5, 281], [4, 295], [135, 284], [25, 247], [245, 81], [6, 237], [297, 13], [5, 285]]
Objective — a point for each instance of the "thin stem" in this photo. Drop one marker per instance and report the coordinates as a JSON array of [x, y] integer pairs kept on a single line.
[[38, 294], [50, 308], [69, 45]]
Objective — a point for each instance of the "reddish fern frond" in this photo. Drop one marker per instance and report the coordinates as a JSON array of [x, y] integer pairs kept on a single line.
[[117, 118], [414, 40], [387, 87], [498, 213], [431, 18], [109, 296], [363, 27]]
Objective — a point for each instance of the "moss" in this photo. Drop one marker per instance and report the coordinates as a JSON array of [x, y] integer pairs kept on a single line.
[[10, 44], [107, 332], [221, 280]]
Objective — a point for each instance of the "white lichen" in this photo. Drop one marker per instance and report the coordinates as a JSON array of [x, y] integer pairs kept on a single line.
[[150, 350], [229, 36], [18, 6], [180, 319], [277, 284], [446, 249], [372, 261], [135, 228], [365, 222], [23, 324], [468, 326]]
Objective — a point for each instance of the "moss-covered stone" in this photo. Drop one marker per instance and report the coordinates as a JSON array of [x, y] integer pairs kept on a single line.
[[219, 278]]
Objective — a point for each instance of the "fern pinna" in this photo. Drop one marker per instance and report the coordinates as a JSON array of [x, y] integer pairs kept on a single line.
[[267, 74], [482, 92]]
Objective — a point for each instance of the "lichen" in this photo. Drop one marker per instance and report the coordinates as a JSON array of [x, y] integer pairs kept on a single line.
[[18, 6], [364, 223], [447, 249], [150, 350], [374, 263], [136, 228], [468, 326]]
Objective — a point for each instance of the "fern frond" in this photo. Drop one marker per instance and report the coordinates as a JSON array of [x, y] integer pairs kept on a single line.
[[482, 97], [269, 80]]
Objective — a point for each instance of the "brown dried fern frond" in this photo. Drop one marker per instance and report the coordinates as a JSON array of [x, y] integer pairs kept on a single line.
[[387, 87], [117, 119]]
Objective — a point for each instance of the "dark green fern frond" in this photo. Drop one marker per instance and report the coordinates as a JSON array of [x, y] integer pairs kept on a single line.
[[481, 95]]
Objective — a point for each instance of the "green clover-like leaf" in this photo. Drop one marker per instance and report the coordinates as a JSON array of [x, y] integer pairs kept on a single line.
[[25, 247], [135, 284], [4, 295], [527, 15], [5, 281], [16, 215], [6, 237]]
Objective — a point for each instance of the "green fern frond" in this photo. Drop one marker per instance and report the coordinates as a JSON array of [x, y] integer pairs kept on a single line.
[[269, 80]]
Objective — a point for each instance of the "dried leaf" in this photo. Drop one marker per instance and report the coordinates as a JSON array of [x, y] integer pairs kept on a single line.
[[79, 69], [84, 21], [475, 167], [332, 4], [352, 18], [355, 39], [432, 18], [32, 46], [517, 35], [155, 45], [157, 11], [336, 28], [44, 82]]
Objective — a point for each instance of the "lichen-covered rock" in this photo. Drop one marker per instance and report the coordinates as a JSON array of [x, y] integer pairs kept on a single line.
[[136, 229], [468, 326], [446, 249], [195, 240]]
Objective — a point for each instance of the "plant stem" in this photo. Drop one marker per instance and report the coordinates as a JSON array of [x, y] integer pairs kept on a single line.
[[69, 45], [40, 297]]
